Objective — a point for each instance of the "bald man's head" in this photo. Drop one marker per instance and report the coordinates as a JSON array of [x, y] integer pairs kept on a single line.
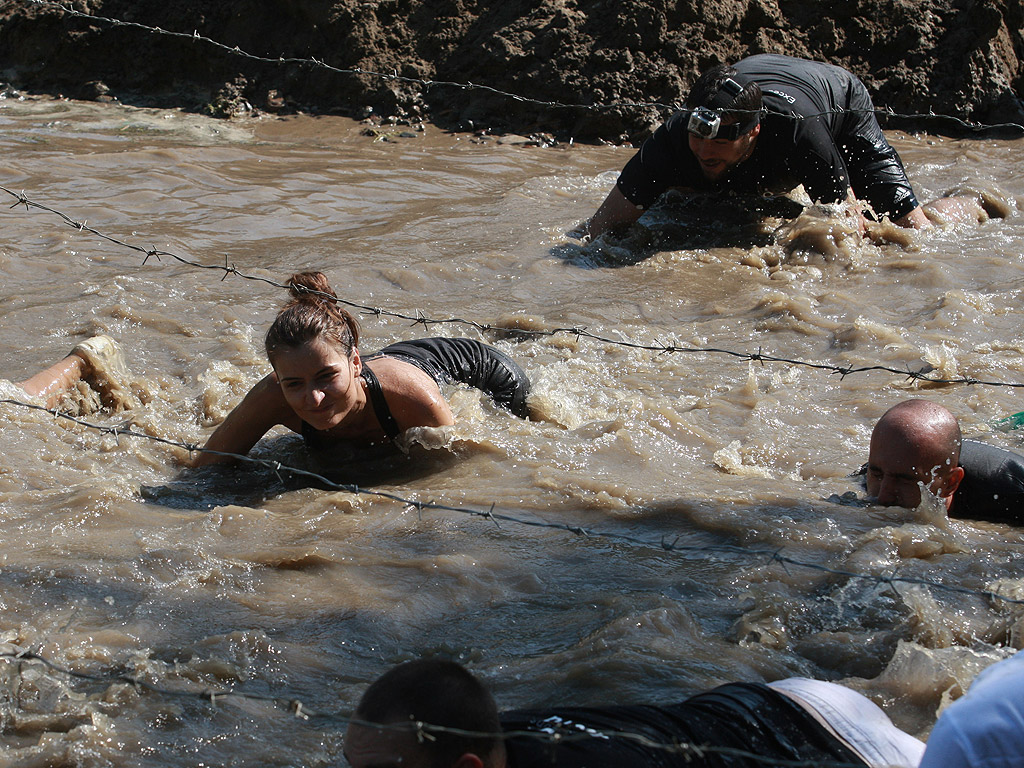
[[915, 442]]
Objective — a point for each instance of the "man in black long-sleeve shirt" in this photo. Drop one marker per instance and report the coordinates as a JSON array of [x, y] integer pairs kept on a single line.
[[435, 714], [767, 125]]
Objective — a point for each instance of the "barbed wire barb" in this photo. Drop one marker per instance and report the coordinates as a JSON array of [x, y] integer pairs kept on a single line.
[[421, 733], [21, 200], [777, 557], [892, 585]]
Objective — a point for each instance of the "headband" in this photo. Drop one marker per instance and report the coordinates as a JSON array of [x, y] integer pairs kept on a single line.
[[706, 122]]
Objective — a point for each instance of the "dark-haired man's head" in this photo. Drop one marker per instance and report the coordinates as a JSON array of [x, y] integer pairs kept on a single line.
[[392, 724], [916, 443], [724, 120], [712, 91]]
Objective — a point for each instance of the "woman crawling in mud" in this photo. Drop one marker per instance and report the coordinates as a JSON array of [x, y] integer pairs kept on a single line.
[[323, 389]]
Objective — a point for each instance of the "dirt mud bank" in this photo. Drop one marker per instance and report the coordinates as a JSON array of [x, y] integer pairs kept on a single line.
[[961, 58]]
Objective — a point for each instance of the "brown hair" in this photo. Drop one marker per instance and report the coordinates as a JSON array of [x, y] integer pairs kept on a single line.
[[312, 313]]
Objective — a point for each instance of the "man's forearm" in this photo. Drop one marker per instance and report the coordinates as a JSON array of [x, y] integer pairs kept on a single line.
[[615, 211]]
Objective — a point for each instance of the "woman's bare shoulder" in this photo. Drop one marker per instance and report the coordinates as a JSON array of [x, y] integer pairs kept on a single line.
[[412, 394]]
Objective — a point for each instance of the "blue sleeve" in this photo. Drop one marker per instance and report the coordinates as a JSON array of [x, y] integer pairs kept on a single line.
[[944, 748], [985, 728]]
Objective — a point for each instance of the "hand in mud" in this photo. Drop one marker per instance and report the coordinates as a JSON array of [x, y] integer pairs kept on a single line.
[[581, 231]]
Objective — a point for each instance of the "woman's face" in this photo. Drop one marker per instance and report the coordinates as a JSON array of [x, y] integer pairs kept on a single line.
[[319, 381]]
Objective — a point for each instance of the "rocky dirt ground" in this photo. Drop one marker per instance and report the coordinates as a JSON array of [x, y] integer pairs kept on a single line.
[[961, 58]]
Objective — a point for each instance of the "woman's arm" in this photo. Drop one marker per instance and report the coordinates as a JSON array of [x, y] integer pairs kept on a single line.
[[263, 408]]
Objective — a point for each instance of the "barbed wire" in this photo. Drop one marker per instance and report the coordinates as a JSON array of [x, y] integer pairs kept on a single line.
[[321, 64], [423, 731], [424, 83], [690, 750], [768, 556], [226, 269]]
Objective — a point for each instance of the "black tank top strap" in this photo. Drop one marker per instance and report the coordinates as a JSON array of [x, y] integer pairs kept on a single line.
[[314, 437], [380, 404]]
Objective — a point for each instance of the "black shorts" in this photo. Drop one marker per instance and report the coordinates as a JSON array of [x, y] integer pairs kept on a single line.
[[470, 362]]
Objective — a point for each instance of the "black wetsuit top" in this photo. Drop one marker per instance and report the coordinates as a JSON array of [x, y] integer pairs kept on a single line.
[[838, 144], [743, 716], [446, 361], [993, 485], [992, 488]]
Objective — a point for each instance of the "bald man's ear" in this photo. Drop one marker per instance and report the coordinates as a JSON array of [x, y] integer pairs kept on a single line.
[[956, 475], [468, 760]]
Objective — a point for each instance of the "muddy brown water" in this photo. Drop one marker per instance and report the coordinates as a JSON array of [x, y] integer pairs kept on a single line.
[[117, 560]]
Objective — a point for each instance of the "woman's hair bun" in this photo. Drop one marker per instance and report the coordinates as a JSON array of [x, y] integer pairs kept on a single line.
[[301, 284], [313, 312]]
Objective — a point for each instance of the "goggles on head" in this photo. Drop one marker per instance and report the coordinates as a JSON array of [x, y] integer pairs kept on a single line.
[[707, 124]]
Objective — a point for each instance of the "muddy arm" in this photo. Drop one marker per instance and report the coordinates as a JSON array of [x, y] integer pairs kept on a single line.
[[263, 408], [615, 211]]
